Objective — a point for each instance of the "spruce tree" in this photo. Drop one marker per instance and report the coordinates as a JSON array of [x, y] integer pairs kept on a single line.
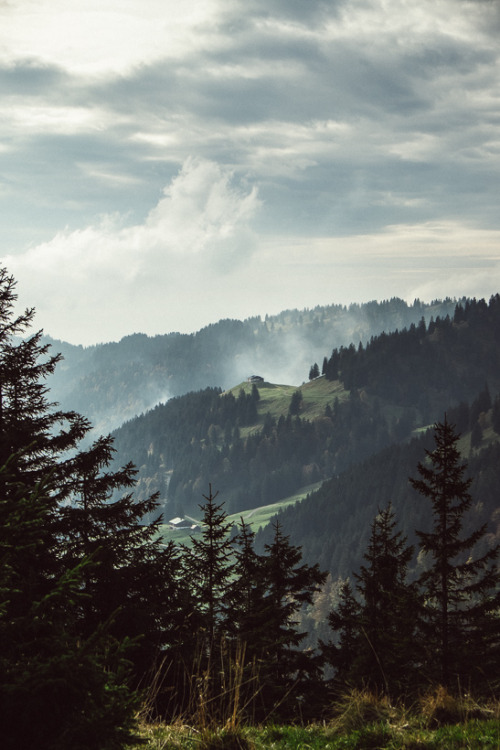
[[345, 622], [460, 582], [288, 674], [134, 580], [248, 620], [208, 568], [57, 688], [389, 612], [30, 426], [95, 558], [376, 641]]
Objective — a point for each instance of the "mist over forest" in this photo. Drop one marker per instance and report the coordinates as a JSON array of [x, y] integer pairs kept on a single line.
[[111, 383], [294, 526]]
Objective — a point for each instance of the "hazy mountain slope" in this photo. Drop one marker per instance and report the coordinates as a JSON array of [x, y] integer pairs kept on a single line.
[[113, 382], [428, 368], [333, 524], [256, 446]]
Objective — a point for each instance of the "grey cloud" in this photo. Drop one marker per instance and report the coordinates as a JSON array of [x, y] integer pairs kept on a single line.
[[337, 82], [389, 95], [30, 78], [307, 12]]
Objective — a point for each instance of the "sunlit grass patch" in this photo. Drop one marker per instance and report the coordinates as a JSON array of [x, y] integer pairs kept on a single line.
[[381, 735]]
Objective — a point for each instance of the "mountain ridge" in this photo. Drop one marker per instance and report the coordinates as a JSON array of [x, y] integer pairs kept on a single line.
[[111, 383]]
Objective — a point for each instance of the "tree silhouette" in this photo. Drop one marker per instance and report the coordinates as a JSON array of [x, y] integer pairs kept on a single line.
[[460, 580], [377, 629]]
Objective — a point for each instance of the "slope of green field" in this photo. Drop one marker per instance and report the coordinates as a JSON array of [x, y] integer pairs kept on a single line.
[[275, 399], [256, 518]]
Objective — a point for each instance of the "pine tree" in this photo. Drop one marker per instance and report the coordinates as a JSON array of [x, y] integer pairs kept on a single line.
[[377, 628], [389, 613], [208, 568], [57, 689], [314, 371], [247, 622], [135, 580], [345, 621], [287, 673], [97, 559], [460, 582], [30, 426], [295, 403]]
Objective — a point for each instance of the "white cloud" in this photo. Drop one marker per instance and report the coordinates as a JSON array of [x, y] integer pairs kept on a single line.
[[92, 37], [169, 273], [199, 231]]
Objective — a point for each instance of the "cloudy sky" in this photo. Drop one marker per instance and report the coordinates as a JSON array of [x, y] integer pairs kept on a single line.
[[166, 164]]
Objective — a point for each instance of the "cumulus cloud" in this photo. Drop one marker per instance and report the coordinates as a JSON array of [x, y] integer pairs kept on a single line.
[[199, 230]]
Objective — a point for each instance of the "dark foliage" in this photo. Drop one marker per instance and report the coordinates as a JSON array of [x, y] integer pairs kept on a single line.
[[427, 366], [460, 584], [377, 631], [71, 565]]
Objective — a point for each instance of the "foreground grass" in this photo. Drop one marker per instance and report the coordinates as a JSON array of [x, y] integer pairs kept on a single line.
[[474, 734]]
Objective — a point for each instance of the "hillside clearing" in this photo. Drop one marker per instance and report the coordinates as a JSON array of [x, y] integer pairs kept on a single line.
[[256, 518]]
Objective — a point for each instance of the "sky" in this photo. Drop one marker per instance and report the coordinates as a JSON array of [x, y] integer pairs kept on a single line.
[[167, 164]]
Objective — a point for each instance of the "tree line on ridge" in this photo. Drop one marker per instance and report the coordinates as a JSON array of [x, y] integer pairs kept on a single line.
[[95, 607]]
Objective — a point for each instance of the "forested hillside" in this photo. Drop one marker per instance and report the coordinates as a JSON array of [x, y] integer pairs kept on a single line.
[[424, 371], [428, 368], [333, 524], [100, 619], [113, 382], [259, 443]]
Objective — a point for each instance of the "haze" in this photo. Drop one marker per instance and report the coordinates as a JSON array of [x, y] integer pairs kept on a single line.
[[165, 165]]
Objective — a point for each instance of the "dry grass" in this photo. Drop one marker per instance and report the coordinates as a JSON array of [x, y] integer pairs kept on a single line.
[[439, 707], [357, 708], [361, 720]]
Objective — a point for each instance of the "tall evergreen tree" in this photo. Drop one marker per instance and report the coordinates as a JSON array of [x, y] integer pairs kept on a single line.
[[377, 630], [135, 580], [208, 567], [247, 622], [345, 622], [95, 558], [288, 673], [30, 426], [389, 613], [57, 688], [460, 582]]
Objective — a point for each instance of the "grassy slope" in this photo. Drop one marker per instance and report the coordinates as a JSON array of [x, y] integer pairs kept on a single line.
[[256, 518], [275, 400]]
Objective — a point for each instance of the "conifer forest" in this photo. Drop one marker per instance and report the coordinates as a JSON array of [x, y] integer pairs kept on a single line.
[[381, 578]]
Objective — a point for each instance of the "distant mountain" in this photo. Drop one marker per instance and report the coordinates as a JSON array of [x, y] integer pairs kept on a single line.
[[389, 371], [111, 383], [260, 442]]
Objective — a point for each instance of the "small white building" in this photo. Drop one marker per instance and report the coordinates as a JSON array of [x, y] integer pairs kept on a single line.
[[179, 523]]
